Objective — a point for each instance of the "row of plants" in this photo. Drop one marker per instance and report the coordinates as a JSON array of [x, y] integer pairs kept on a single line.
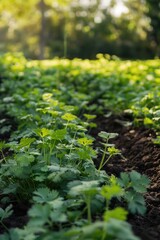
[[47, 154]]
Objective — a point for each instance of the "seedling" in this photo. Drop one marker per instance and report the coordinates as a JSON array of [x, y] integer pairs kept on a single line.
[[2, 146], [109, 149], [87, 190], [5, 213]]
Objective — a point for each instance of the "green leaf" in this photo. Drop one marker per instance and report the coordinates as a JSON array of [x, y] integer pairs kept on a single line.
[[119, 230], [106, 135], [45, 132], [148, 121], [136, 202], [5, 213], [85, 141], [2, 145], [111, 191], [89, 116], [58, 216], [139, 182], [86, 187], [44, 195], [156, 140], [5, 129], [39, 214], [25, 142], [113, 151], [47, 96], [117, 213], [124, 179], [24, 159], [69, 117], [59, 134]]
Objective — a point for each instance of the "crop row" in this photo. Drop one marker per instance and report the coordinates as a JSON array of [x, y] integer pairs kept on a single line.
[[47, 109]]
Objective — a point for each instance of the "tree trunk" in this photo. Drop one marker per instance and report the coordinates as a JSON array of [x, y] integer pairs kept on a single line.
[[42, 39]]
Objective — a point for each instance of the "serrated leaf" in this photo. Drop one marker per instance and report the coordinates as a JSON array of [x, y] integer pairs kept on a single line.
[[5, 213], [136, 202], [111, 191], [106, 135], [113, 151], [135, 176], [124, 179], [26, 142], [117, 213], [120, 230], [85, 141], [2, 145], [59, 134], [85, 187], [69, 117], [24, 159], [47, 96], [139, 182], [58, 216], [44, 195], [45, 132], [40, 213], [5, 129]]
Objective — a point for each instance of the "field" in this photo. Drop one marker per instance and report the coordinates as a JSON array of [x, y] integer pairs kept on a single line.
[[79, 149]]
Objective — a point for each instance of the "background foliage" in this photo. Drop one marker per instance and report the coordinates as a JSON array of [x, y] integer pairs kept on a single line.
[[49, 28]]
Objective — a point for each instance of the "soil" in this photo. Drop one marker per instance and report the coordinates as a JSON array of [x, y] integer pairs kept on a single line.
[[143, 156]]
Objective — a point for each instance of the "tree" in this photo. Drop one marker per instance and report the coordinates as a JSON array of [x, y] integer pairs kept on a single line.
[[29, 18], [154, 15]]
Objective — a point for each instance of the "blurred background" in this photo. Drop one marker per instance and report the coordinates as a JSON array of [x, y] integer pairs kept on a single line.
[[44, 29]]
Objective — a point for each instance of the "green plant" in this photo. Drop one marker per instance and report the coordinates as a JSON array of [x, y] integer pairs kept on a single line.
[[134, 185], [109, 149], [2, 146], [5, 213], [50, 164]]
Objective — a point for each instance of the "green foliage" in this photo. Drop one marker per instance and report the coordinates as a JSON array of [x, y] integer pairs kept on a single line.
[[135, 185], [117, 213], [157, 140], [50, 162], [5, 213], [109, 149], [44, 195]]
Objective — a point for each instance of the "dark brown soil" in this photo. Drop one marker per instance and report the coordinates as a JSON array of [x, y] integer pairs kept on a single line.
[[143, 156]]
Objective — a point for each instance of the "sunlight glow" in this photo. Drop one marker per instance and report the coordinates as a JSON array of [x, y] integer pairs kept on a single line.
[[119, 8]]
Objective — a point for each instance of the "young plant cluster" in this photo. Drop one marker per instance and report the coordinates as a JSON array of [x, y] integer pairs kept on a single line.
[[47, 162]]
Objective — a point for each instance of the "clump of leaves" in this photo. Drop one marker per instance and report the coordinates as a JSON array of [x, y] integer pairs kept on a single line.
[[5, 213], [135, 185], [2, 146], [88, 190], [156, 140], [109, 149]]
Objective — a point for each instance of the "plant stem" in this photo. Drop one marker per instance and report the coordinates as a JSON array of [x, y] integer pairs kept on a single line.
[[4, 226], [88, 201], [103, 157], [3, 157], [104, 235], [106, 160]]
